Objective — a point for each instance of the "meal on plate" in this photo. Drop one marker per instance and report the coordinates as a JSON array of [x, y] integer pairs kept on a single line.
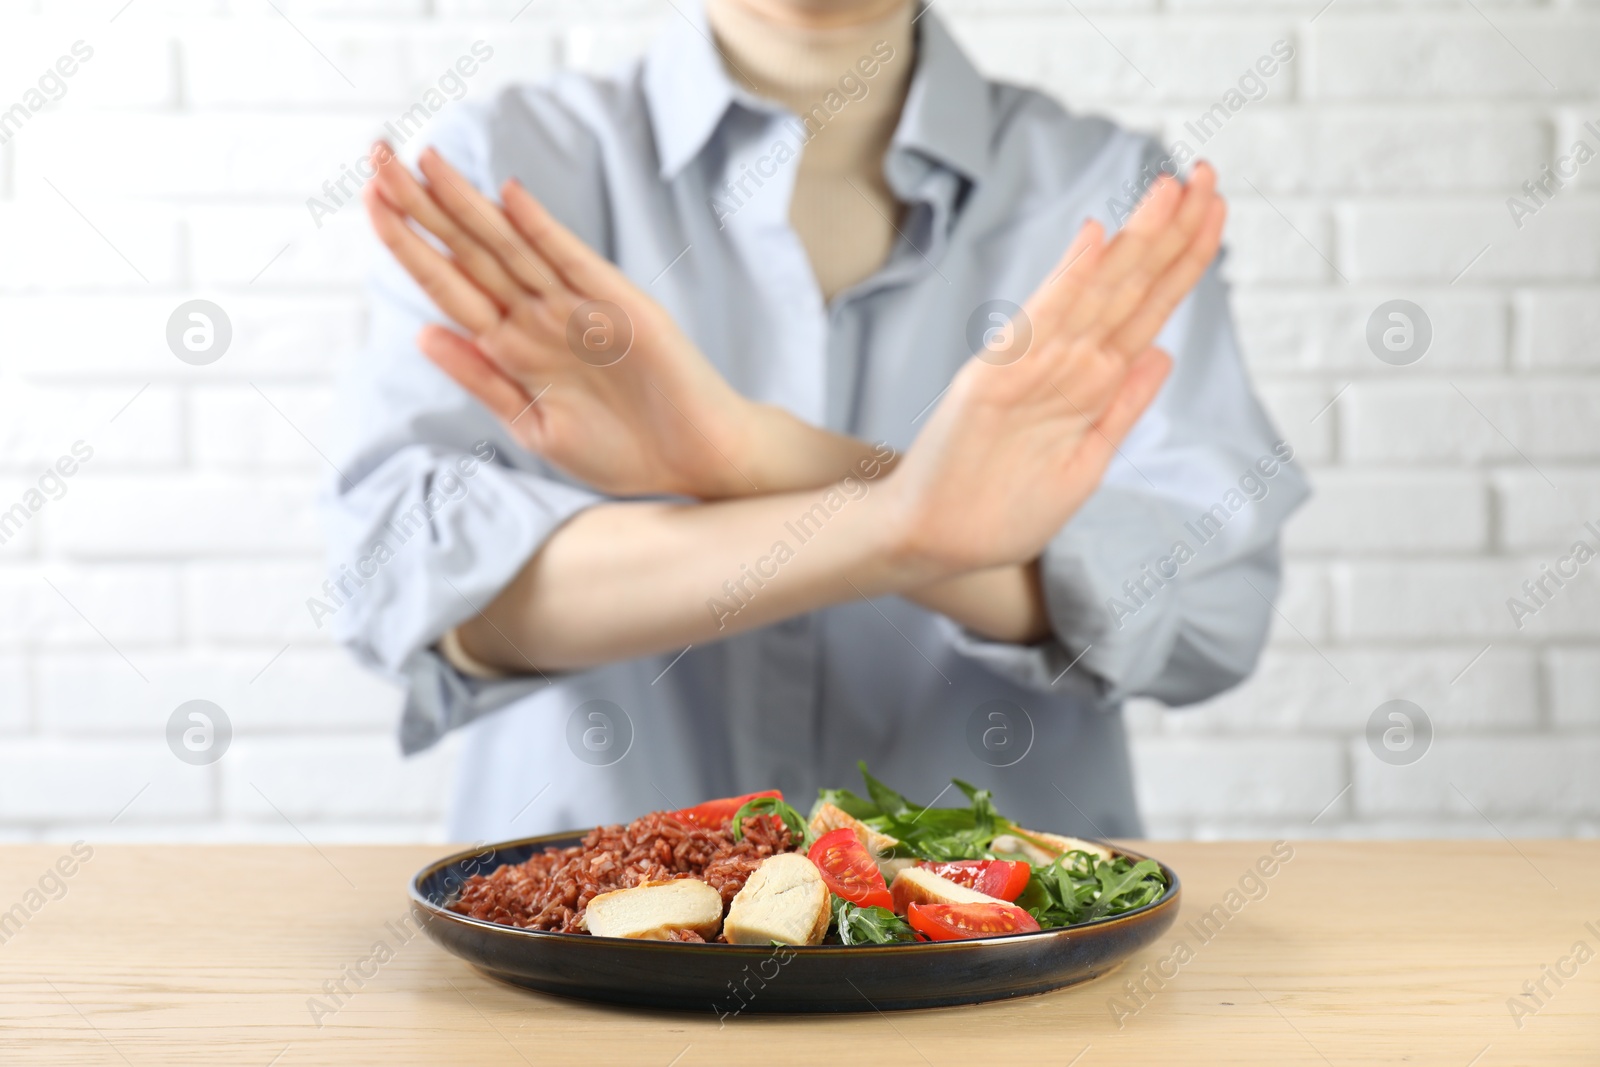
[[871, 870]]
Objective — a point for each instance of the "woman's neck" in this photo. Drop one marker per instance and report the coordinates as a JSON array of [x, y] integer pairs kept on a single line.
[[846, 83], [798, 53], [821, 14]]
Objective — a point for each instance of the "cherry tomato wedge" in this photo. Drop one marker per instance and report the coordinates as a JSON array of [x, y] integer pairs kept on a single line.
[[1001, 879], [848, 869], [959, 922], [715, 814]]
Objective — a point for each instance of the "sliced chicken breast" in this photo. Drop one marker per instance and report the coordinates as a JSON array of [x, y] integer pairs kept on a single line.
[[918, 885], [654, 910], [785, 900]]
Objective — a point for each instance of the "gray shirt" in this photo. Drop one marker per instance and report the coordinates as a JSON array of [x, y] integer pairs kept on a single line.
[[1160, 585]]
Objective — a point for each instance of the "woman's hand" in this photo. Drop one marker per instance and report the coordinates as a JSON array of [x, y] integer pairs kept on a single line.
[[585, 369], [1014, 449]]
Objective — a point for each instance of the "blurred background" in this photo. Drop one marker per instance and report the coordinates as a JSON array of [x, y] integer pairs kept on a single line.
[[1454, 459]]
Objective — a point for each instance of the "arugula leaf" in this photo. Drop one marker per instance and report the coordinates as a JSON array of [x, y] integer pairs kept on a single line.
[[930, 833], [1125, 890], [799, 829], [889, 803], [860, 925], [1079, 887], [847, 802]]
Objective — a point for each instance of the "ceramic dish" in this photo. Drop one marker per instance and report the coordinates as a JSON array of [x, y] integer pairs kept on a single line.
[[731, 980]]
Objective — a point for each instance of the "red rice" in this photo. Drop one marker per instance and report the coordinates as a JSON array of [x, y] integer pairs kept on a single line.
[[550, 890]]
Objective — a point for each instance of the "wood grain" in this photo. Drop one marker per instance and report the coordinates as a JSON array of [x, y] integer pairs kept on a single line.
[[1371, 953]]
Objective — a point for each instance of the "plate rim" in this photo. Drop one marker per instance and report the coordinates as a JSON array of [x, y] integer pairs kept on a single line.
[[1167, 899]]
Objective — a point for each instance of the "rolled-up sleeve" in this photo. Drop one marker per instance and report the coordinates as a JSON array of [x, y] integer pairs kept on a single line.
[[1162, 584], [434, 509]]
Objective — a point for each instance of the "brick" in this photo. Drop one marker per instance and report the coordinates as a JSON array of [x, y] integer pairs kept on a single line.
[[1556, 328], [1574, 686], [1534, 516], [386, 9], [1530, 777], [1363, 511], [132, 67], [120, 426], [1426, 600], [1458, 56], [254, 602], [1173, 58], [1412, 421], [19, 536], [133, 606], [1295, 692], [1572, 126], [1262, 245], [14, 697], [332, 778], [277, 247], [49, 781], [51, 337], [368, 64], [1285, 331], [1302, 415], [1376, 149], [235, 427], [1456, 828], [299, 692], [1414, 241], [544, 10], [1241, 776], [232, 831], [183, 516], [51, 245], [1303, 606], [599, 49], [188, 155]]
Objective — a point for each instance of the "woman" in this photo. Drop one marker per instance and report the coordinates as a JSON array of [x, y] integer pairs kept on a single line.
[[738, 461]]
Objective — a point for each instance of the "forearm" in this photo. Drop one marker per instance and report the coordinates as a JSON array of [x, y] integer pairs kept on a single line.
[[631, 579], [1004, 603], [1001, 603], [785, 454]]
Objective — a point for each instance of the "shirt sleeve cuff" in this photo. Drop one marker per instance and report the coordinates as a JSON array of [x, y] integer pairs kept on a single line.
[[455, 654], [1091, 650]]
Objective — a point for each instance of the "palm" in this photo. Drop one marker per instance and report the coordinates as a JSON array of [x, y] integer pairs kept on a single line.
[[1014, 449]]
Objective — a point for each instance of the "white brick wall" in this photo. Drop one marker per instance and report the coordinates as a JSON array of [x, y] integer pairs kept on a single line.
[[1376, 167]]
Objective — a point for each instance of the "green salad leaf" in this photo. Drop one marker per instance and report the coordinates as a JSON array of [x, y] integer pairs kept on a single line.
[[927, 833], [861, 925], [1080, 887], [1076, 887]]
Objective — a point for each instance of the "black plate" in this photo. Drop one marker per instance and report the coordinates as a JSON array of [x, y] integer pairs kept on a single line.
[[736, 979]]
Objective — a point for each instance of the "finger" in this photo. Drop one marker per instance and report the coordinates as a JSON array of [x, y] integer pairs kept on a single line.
[[438, 276], [401, 189], [484, 219], [1164, 247], [1127, 254], [462, 360], [1051, 300], [1146, 321], [1144, 379], [584, 270]]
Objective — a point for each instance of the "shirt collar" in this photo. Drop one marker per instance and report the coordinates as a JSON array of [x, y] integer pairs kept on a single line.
[[687, 91]]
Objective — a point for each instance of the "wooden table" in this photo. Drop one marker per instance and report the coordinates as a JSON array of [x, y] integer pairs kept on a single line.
[[1350, 953]]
